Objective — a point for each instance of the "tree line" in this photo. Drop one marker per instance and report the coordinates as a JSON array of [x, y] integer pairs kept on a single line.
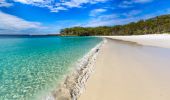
[[156, 25]]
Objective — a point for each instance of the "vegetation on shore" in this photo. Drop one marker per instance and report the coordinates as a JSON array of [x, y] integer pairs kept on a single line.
[[156, 25]]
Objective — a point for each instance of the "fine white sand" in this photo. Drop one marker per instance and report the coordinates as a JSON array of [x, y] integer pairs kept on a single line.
[[128, 71], [160, 40]]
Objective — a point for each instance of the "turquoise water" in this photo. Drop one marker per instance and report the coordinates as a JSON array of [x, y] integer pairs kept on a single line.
[[31, 66]]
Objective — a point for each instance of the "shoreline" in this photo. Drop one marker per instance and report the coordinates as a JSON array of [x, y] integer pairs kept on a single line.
[[74, 83], [157, 40], [129, 71]]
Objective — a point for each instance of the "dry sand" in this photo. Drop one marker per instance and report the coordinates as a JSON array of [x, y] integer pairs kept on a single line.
[[159, 40], [128, 71]]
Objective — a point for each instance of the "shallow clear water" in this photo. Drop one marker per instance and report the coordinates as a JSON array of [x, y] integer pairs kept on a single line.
[[31, 66]]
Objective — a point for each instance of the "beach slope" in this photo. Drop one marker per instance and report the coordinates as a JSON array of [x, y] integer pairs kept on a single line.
[[129, 71], [159, 40]]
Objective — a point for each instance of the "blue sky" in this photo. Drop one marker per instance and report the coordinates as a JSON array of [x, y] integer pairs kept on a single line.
[[49, 16]]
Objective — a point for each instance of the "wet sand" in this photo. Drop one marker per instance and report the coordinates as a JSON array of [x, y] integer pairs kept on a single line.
[[129, 71]]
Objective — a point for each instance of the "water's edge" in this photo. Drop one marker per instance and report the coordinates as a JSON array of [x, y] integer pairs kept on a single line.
[[74, 83]]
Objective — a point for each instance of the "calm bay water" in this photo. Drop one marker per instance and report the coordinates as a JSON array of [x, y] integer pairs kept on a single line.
[[30, 66]]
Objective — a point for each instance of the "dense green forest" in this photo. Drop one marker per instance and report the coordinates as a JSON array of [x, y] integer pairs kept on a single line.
[[159, 24]]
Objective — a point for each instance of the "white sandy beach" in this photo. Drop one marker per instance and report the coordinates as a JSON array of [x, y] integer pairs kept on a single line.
[[160, 40], [129, 71]]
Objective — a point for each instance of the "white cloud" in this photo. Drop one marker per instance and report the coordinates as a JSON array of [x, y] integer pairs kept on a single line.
[[56, 6], [132, 13], [103, 20], [96, 12], [12, 23], [142, 1], [73, 3], [50, 4], [33, 1], [3, 3], [107, 20], [129, 3], [116, 19], [56, 9], [125, 6], [79, 3]]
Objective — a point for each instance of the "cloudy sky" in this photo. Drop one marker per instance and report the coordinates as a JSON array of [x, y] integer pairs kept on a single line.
[[49, 16]]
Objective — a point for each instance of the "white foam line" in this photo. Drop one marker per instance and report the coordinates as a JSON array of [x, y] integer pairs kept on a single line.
[[75, 83]]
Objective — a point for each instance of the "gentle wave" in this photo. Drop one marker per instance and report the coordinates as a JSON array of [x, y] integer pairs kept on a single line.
[[74, 84]]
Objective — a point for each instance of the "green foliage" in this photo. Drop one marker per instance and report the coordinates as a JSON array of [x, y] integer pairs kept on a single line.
[[157, 25]]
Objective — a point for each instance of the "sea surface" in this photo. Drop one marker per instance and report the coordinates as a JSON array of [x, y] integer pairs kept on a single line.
[[33, 66]]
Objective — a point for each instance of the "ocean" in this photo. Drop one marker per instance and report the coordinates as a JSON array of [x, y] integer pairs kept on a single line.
[[32, 66]]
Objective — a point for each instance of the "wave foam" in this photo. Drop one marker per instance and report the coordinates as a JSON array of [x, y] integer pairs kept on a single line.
[[74, 84]]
